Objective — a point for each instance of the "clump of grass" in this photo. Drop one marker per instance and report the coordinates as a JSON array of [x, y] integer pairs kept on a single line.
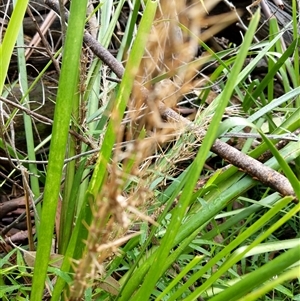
[[135, 222]]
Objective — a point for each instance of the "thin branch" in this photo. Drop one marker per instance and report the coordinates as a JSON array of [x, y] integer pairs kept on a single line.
[[47, 121], [101, 52], [45, 42], [251, 135], [33, 114], [254, 168], [247, 164]]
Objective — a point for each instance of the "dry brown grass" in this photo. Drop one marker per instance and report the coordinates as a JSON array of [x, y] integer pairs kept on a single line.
[[143, 149]]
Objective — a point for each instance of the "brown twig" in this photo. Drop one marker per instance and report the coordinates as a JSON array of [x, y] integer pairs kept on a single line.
[[39, 36], [47, 121], [279, 145], [254, 168], [6, 177], [102, 53], [29, 112], [249, 165], [28, 200], [36, 40]]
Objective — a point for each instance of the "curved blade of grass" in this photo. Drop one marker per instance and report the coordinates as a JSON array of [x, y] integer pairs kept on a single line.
[[268, 286], [270, 75], [27, 122], [270, 247], [216, 202], [234, 220], [224, 254], [186, 270], [9, 40], [67, 87], [155, 272], [283, 164], [233, 122], [275, 103], [259, 276]]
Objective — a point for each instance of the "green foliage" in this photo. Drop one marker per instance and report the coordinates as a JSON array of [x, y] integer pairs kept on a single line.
[[9, 40], [68, 83], [227, 238]]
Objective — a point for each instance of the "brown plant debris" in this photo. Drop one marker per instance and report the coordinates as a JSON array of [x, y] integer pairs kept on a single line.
[[249, 165]]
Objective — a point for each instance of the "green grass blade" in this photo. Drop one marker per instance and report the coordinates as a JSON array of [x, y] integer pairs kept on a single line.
[[27, 122], [67, 88], [234, 220], [224, 253], [275, 103], [186, 269], [266, 272], [122, 98], [296, 54], [77, 244], [9, 40], [66, 226], [268, 286], [167, 242], [283, 164], [270, 75], [124, 92]]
